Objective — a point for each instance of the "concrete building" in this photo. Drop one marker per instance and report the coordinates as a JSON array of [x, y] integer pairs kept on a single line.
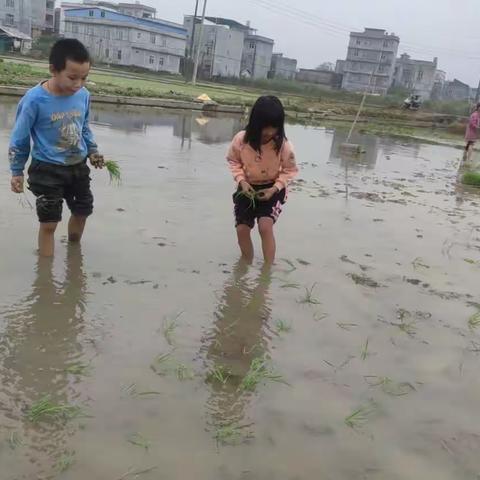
[[417, 76], [438, 85], [137, 10], [221, 46], [120, 39], [43, 15], [257, 56], [17, 14], [283, 67], [320, 77], [370, 62], [340, 66], [456, 90], [13, 40]]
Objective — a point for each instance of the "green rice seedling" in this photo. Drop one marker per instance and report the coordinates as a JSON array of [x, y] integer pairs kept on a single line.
[[14, 441], [389, 386], [347, 326], [78, 368], [292, 266], [219, 374], [140, 441], [359, 417], [471, 178], [183, 372], [407, 327], [290, 285], [282, 326], [113, 169], [232, 434], [474, 321], [46, 409], [319, 316], [169, 327], [303, 262], [342, 365], [251, 196], [132, 390], [418, 263], [65, 461], [309, 298], [135, 473], [364, 353], [259, 372]]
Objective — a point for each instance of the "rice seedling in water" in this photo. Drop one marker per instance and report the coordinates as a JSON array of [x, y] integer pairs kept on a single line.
[[65, 461], [418, 262], [303, 262], [219, 374], [290, 285], [260, 373], [282, 326], [364, 354], [232, 434], [132, 390], [14, 441], [114, 171], [389, 386], [46, 409], [341, 365], [169, 327], [139, 440], [292, 266], [347, 326], [309, 298], [183, 372], [474, 321], [78, 368], [471, 178], [251, 196], [359, 417]]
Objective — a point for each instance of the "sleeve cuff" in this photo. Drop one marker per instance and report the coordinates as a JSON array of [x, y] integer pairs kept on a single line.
[[17, 173], [279, 185]]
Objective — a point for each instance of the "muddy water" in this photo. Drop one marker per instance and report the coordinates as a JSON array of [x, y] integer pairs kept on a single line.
[[155, 300]]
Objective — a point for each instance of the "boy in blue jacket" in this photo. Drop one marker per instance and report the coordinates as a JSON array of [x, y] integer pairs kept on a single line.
[[55, 116]]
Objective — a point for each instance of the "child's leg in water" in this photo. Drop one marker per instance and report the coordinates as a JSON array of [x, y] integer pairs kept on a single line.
[[46, 238], [76, 226], [265, 227], [245, 242]]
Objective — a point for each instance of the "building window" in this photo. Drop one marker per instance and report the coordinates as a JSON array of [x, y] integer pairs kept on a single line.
[[74, 28], [420, 75], [358, 41], [252, 45], [119, 54], [90, 31], [384, 56], [152, 37], [119, 34], [386, 43], [355, 52], [139, 35], [163, 42], [161, 61], [9, 19], [10, 3], [106, 33], [50, 5], [151, 60], [90, 13], [107, 53], [102, 14]]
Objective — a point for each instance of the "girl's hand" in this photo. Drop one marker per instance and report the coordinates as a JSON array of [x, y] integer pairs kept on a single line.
[[267, 194], [246, 187]]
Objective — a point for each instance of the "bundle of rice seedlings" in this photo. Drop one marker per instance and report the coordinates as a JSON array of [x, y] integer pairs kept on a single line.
[[114, 171]]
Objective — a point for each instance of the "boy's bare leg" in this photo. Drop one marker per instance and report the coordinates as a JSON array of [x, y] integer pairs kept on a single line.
[[245, 242], [76, 226], [46, 239], [265, 227]]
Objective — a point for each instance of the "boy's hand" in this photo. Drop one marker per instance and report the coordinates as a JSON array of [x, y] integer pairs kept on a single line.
[[17, 184], [97, 160], [267, 193]]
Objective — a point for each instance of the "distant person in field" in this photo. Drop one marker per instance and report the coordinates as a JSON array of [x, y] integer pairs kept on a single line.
[[55, 116], [262, 162], [473, 131]]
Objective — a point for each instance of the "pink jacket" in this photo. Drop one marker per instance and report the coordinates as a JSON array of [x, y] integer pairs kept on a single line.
[[473, 128], [261, 168]]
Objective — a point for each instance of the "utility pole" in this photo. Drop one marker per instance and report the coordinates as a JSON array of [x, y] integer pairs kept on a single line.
[[199, 46], [192, 40]]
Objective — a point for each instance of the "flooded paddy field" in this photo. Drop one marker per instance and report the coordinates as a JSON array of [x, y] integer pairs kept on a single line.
[[152, 353]]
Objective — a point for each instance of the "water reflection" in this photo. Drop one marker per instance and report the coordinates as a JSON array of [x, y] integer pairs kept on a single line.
[[40, 341], [238, 336], [343, 158]]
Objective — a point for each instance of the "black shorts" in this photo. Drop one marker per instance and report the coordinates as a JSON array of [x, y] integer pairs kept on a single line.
[[52, 183], [246, 211]]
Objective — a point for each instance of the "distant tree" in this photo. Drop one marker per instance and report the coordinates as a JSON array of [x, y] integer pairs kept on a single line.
[[329, 66]]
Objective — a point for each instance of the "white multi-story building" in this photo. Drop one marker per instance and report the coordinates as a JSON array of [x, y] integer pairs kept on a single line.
[[17, 14], [116, 38]]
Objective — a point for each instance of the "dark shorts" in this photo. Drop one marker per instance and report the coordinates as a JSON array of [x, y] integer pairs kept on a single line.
[[52, 183], [246, 212]]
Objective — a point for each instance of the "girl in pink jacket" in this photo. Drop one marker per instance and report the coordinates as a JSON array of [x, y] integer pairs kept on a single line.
[[262, 162], [473, 130]]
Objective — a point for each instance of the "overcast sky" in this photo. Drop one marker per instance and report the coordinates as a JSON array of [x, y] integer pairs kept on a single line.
[[316, 31]]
